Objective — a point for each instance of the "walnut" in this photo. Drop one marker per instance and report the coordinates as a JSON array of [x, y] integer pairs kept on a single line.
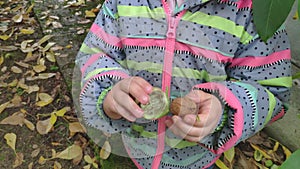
[[182, 106]]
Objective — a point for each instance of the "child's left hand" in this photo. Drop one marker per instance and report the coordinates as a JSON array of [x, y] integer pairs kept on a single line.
[[193, 128]]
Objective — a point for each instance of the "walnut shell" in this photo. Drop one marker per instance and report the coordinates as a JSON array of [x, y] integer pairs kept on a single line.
[[182, 106]]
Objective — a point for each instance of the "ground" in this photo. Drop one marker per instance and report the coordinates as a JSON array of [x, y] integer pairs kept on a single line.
[[35, 91]]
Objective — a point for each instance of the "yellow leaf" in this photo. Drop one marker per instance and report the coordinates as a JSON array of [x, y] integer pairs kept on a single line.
[[221, 165], [286, 151], [70, 153], [29, 125], [229, 154], [46, 75], [89, 14], [275, 148], [4, 37], [50, 56], [261, 151], [43, 127], [39, 68], [62, 111], [11, 139], [42, 160], [88, 159], [87, 166], [30, 165], [1, 60], [296, 16], [44, 39], [13, 83], [48, 46], [45, 99], [53, 119], [29, 10], [33, 88], [3, 106], [105, 150], [57, 165], [18, 18], [15, 69], [27, 31]]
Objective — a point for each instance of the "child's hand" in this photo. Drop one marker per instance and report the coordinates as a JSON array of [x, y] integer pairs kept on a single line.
[[120, 101], [193, 128]]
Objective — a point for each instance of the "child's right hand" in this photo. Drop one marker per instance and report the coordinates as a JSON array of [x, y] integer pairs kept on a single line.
[[120, 101]]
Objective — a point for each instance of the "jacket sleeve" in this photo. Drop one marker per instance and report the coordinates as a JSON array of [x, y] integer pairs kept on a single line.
[[256, 92], [99, 61]]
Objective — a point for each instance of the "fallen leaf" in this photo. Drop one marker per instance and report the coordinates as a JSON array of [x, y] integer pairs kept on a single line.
[[27, 31], [39, 68], [43, 127], [4, 37], [220, 164], [42, 160], [3, 106], [89, 160], [105, 150], [44, 39], [33, 88], [18, 18], [16, 69], [261, 151], [57, 165], [35, 152], [62, 111], [70, 153], [15, 119], [89, 14], [11, 139], [8, 48], [19, 160], [1, 60], [50, 56], [45, 99], [76, 127], [30, 165], [53, 119], [29, 124]]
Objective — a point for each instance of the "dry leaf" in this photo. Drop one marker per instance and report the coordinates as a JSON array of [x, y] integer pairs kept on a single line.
[[105, 150], [89, 14], [3, 106], [11, 139], [76, 127], [1, 60], [4, 37], [16, 101], [46, 75], [44, 39], [39, 68], [15, 119], [57, 165], [42, 160], [48, 46], [50, 56], [19, 160], [14, 83], [263, 152], [18, 18], [27, 31], [29, 124], [45, 99], [89, 160], [43, 127], [53, 119], [35, 152], [8, 48], [16, 69], [30, 165], [70, 153], [33, 88]]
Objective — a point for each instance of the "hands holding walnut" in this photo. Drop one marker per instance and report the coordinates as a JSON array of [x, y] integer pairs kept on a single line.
[[209, 112]]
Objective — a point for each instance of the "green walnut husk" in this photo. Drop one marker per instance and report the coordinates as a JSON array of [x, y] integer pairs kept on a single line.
[[158, 105]]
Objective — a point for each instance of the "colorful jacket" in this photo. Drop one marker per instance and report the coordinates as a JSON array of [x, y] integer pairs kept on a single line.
[[208, 45]]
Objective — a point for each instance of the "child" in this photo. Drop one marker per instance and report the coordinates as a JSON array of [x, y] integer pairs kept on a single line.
[[206, 50]]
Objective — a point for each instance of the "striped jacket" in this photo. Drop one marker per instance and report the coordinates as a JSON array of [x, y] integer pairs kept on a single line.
[[208, 45]]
